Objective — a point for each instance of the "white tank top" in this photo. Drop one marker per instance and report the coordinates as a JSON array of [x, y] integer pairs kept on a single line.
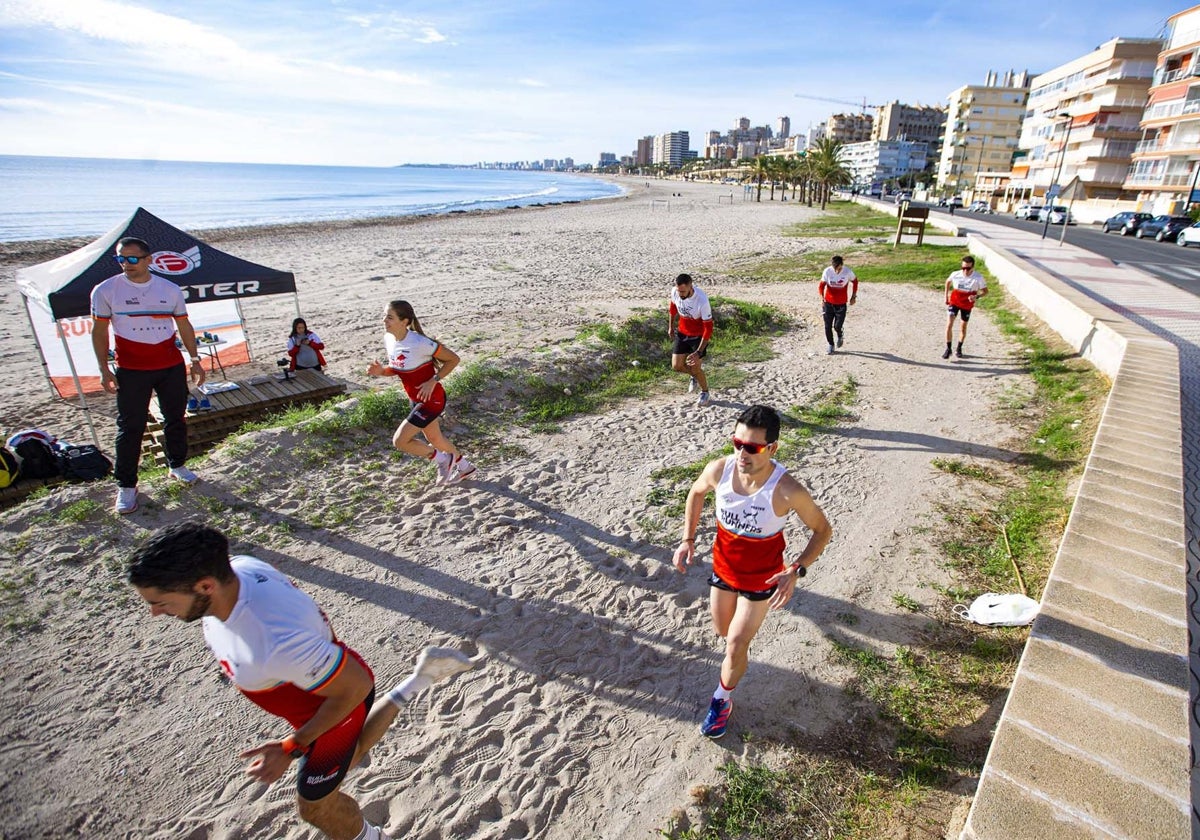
[[749, 516]]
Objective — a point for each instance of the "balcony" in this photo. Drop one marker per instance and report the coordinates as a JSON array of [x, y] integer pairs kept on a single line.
[[1164, 110], [1157, 180], [1149, 146]]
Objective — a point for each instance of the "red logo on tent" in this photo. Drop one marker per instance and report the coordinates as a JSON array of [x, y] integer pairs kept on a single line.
[[173, 262]]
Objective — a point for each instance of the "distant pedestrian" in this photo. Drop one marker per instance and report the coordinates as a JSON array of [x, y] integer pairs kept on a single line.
[[963, 289], [421, 363], [693, 333], [144, 311], [755, 495], [838, 286]]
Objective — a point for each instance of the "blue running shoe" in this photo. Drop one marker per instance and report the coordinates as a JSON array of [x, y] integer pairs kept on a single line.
[[717, 718]]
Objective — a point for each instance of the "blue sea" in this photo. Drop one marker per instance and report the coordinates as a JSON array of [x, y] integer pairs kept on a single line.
[[51, 197]]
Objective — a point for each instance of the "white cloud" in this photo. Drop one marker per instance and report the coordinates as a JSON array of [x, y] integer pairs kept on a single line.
[[533, 83]]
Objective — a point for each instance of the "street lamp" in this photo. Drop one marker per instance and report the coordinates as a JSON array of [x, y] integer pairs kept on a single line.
[[1062, 153], [978, 167]]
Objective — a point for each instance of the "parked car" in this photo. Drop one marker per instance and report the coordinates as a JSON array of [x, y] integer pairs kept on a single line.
[[1188, 236], [1057, 213], [901, 197], [955, 201], [1127, 222], [1027, 211], [979, 207], [1163, 228]]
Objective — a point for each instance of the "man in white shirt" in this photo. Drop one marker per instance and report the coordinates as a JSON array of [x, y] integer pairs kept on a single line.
[[277, 647], [144, 311], [963, 288]]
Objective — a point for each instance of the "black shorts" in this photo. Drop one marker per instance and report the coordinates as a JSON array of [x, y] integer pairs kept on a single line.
[[322, 769], [954, 310], [423, 414], [685, 345], [760, 595]]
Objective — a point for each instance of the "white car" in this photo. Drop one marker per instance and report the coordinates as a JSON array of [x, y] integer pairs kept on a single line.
[[1027, 211], [979, 207], [1058, 214], [1188, 236]]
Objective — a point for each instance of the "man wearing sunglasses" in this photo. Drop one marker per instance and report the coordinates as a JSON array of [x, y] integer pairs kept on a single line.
[[143, 311], [754, 495], [692, 334], [963, 288]]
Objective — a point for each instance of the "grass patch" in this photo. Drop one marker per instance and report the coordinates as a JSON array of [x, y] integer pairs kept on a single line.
[[831, 407]]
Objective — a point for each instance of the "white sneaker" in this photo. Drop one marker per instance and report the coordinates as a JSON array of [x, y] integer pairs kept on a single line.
[[374, 832], [444, 462], [703, 401], [183, 474], [462, 468], [829, 350], [126, 500], [439, 663], [692, 385]]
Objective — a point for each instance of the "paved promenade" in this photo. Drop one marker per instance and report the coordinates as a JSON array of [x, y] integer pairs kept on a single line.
[[1095, 739]]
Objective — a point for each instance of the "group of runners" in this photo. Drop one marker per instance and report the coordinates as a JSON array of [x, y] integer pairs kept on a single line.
[[277, 646]]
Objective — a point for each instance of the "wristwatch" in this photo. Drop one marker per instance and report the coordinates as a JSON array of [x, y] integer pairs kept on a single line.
[[195, 359], [799, 570], [292, 747]]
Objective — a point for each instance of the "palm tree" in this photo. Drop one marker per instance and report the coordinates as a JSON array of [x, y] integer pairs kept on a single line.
[[828, 170], [760, 168]]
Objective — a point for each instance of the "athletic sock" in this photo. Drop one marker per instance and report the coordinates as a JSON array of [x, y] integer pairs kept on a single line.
[[409, 688], [947, 345], [722, 693], [960, 347], [366, 830]]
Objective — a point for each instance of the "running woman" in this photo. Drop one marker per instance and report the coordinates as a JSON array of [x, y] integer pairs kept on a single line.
[[276, 645], [421, 363], [833, 291], [963, 288], [692, 335], [755, 495]]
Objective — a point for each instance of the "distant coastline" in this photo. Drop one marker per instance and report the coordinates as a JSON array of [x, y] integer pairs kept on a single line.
[[67, 198]]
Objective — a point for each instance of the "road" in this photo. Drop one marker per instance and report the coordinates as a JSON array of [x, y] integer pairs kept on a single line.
[[1178, 266]]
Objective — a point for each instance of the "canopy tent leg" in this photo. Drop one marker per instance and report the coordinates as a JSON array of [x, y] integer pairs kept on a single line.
[[87, 412], [237, 302], [41, 355]]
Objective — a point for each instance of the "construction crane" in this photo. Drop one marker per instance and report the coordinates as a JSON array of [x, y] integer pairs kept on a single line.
[[862, 104]]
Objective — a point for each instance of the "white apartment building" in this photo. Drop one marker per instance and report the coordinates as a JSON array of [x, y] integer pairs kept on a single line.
[[1166, 162], [881, 160], [672, 148], [1082, 120], [983, 125], [783, 127], [849, 128]]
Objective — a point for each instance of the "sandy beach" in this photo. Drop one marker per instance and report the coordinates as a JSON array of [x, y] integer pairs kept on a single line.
[[584, 722]]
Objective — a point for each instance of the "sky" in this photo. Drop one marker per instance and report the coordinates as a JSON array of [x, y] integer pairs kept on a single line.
[[380, 83]]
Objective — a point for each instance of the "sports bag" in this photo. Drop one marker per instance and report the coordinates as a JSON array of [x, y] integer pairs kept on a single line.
[[83, 462], [35, 453], [9, 468]]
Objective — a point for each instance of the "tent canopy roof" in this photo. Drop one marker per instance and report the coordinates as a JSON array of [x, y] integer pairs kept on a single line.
[[63, 287]]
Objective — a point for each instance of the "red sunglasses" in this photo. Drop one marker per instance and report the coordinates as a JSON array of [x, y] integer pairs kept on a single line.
[[748, 447]]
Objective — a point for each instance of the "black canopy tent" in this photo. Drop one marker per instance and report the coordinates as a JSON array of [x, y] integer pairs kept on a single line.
[[61, 290]]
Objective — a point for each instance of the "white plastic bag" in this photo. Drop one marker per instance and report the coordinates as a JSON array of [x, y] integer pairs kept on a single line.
[[996, 610]]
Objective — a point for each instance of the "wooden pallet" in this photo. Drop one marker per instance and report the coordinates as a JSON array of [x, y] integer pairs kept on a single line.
[[232, 409]]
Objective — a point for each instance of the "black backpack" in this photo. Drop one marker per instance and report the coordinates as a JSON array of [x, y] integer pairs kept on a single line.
[[83, 462], [35, 454]]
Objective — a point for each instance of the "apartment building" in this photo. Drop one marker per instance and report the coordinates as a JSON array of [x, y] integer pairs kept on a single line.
[[874, 161], [1082, 120], [919, 123], [849, 128], [1166, 161], [672, 148], [644, 156], [783, 128], [983, 126]]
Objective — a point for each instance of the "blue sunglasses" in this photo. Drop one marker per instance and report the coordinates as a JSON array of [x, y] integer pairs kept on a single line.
[[130, 260]]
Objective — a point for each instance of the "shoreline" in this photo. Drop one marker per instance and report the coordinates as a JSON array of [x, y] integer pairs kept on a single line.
[[58, 245]]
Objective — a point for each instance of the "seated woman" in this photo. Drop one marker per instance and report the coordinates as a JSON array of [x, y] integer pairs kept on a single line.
[[304, 348]]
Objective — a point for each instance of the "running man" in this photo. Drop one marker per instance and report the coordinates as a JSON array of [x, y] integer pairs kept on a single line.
[[755, 494], [963, 288], [144, 312], [278, 648], [835, 280], [692, 335]]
